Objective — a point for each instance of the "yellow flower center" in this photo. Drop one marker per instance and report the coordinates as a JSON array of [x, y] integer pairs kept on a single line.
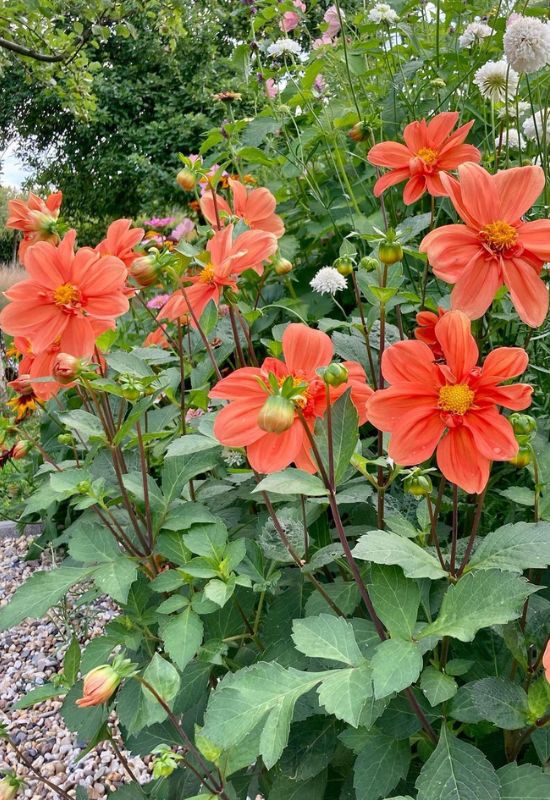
[[66, 294], [427, 155], [499, 235], [207, 274], [456, 399]]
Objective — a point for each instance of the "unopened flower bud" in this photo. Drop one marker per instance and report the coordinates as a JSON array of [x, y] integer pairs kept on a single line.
[[186, 179], [20, 449], [368, 263], [65, 438], [276, 414], [282, 266], [344, 265], [335, 374], [66, 368], [523, 424], [390, 252], [99, 685], [359, 132], [9, 786], [145, 270], [418, 485], [22, 385], [522, 458]]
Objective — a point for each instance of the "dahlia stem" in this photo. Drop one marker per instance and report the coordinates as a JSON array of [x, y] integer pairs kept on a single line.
[[473, 534], [433, 531], [364, 328], [238, 347], [182, 380], [454, 531], [203, 337]]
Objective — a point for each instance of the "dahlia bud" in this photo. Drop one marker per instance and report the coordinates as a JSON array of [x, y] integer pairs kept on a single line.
[[368, 263], [335, 374], [145, 271], [99, 685], [186, 179], [22, 385], [418, 485], [344, 265], [282, 266], [65, 438], [522, 458], [359, 132], [276, 414], [66, 368], [9, 786], [390, 252], [20, 449], [523, 424]]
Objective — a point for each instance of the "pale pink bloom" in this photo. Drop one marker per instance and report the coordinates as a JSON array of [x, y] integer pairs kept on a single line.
[[289, 21], [324, 39], [271, 89], [332, 18], [158, 301]]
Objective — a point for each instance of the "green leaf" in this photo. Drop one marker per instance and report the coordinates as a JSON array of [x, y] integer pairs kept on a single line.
[[310, 748], [285, 788], [344, 435], [219, 592], [115, 578], [207, 540], [395, 599], [191, 443], [86, 722], [164, 678], [182, 636], [395, 666], [494, 699], [380, 765], [345, 692], [39, 593], [129, 364], [82, 422], [92, 544], [385, 547], [97, 652], [478, 600], [523, 782], [514, 548], [519, 494], [290, 482], [457, 770], [344, 593], [39, 694], [179, 470], [327, 637], [436, 686], [71, 661]]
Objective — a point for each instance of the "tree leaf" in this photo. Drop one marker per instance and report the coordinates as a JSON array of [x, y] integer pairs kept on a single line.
[[385, 547], [395, 599], [327, 636], [457, 770], [395, 665], [478, 600], [207, 540], [436, 686], [182, 636], [380, 765], [523, 782], [514, 548], [290, 482]]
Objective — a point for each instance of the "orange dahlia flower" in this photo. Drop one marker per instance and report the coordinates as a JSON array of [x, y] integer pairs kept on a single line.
[[228, 259], [70, 297], [36, 218], [120, 241], [494, 246], [255, 207], [426, 321], [293, 383], [430, 150], [450, 408]]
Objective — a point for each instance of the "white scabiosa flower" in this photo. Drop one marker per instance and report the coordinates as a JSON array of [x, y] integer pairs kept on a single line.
[[495, 80], [522, 110], [510, 137], [537, 123], [328, 281], [474, 33], [527, 44], [382, 12], [233, 458], [282, 46]]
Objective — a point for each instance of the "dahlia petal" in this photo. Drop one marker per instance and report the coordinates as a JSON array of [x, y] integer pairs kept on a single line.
[[208, 208], [414, 189], [112, 306], [22, 319], [456, 138], [454, 190], [390, 179], [389, 154], [258, 203], [41, 262], [475, 289], [459, 346], [449, 249], [415, 135], [461, 462], [479, 193], [236, 425], [78, 338], [434, 185], [493, 434], [502, 364], [387, 406], [99, 276], [517, 397], [251, 248], [198, 296], [243, 383], [54, 200], [304, 460], [518, 188], [453, 156], [219, 246], [527, 290], [440, 127], [535, 237], [361, 392], [275, 451], [306, 349], [49, 330], [408, 361], [415, 437], [271, 224]]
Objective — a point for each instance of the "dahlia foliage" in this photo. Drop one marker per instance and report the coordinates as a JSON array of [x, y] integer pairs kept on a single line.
[[298, 430]]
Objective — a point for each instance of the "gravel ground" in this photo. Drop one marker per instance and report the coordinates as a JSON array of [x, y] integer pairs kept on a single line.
[[29, 655]]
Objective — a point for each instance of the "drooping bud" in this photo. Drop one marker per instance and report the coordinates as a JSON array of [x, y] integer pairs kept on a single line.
[[66, 368], [22, 385], [20, 449], [99, 685], [359, 132], [186, 179], [344, 265], [523, 424], [276, 414], [282, 266], [145, 270], [523, 457], [368, 263], [335, 374], [9, 786], [418, 485]]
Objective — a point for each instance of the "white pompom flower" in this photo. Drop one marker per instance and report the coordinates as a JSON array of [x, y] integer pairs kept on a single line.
[[328, 281], [527, 44], [495, 80], [382, 12], [474, 33], [533, 125], [282, 46]]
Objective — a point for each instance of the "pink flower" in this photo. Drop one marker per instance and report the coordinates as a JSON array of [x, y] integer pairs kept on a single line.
[[332, 18], [289, 21], [319, 84], [271, 89], [185, 227], [158, 301], [325, 39]]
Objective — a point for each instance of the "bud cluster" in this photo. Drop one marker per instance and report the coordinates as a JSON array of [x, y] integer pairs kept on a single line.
[[524, 427]]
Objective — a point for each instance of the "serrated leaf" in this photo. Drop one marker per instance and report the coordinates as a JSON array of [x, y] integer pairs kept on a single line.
[[190, 443], [344, 434], [395, 599], [165, 679], [385, 547], [179, 470], [395, 665], [478, 600], [494, 699], [92, 544], [523, 782], [514, 548], [71, 661], [39, 694], [290, 482], [380, 765], [345, 692], [457, 770], [115, 578], [436, 686], [207, 540], [327, 637], [275, 732], [182, 636]]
